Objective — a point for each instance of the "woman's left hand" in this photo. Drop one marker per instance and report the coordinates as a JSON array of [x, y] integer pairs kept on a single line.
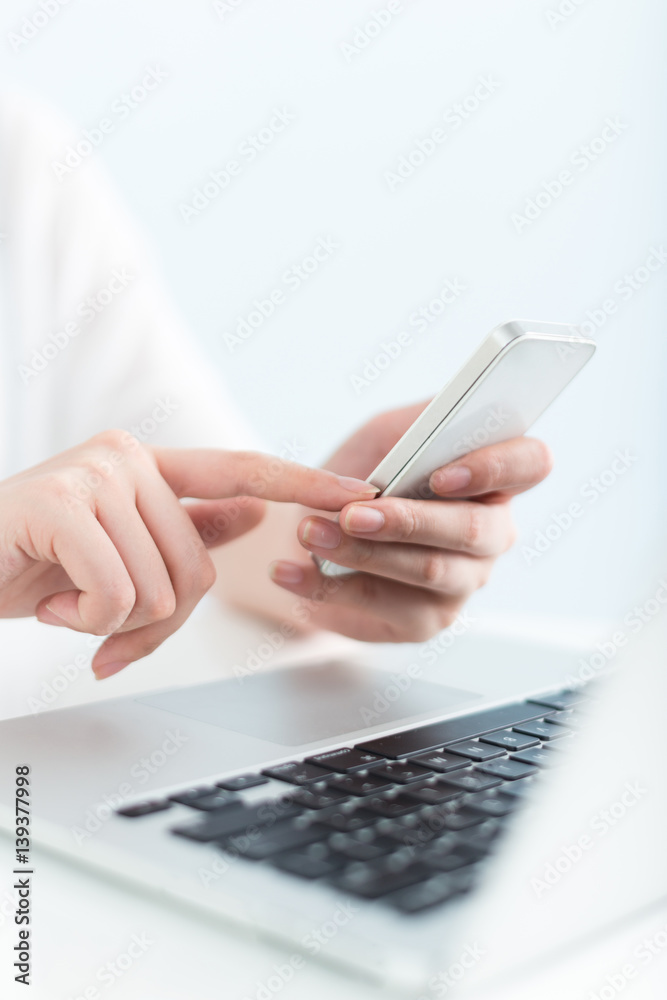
[[418, 561]]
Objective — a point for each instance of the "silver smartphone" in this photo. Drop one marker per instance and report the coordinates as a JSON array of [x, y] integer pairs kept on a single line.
[[510, 380]]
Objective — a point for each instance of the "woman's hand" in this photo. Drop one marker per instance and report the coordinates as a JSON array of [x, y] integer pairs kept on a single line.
[[96, 539], [418, 560]]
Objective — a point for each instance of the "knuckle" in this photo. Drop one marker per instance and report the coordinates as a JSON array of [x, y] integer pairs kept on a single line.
[[473, 526], [496, 467], [199, 572], [433, 569], [55, 485], [118, 440], [410, 520], [158, 606], [121, 598]]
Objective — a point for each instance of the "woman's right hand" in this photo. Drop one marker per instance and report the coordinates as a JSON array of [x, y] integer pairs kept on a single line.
[[97, 540]]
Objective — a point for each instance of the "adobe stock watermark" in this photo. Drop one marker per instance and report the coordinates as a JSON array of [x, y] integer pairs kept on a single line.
[[85, 312], [562, 12], [268, 813], [599, 826], [643, 954], [223, 8], [624, 289], [312, 942], [291, 280], [217, 181], [589, 667], [122, 444], [418, 322], [400, 682], [452, 119], [210, 531], [591, 491], [51, 690], [552, 189], [101, 812], [368, 31], [301, 614], [108, 974], [33, 23], [447, 979], [121, 109]]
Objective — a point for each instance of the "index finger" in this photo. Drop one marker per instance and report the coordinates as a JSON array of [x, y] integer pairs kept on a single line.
[[508, 468], [210, 474]]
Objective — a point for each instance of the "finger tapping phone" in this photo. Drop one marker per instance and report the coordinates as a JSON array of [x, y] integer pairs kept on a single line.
[[510, 380]]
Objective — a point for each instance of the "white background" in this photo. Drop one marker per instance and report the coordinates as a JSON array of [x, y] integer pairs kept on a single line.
[[325, 175]]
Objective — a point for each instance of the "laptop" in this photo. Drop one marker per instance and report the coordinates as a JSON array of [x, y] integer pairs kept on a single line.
[[411, 820]]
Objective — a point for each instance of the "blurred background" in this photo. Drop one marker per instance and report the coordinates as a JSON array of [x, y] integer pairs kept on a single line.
[[329, 110]]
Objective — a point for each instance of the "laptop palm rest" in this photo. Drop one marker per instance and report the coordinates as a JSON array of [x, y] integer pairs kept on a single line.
[[300, 705]]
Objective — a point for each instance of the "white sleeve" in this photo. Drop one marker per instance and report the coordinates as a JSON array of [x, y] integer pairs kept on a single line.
[[88, 337]]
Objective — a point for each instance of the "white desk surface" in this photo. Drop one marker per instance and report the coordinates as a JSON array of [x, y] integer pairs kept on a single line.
[[83, 921]]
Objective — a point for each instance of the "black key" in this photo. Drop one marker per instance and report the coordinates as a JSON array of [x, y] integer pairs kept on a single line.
[[512, 741], [434, 794], [235, 818], [188, 795], [314, 861], [402, 771], [567, 718], [397, 805], [209, 803], [491, 804], [374, 880], [355, 849], [560, 701], [444, 858], [461, 819], [477, 751], [143, 809], [483, 836], [347, 821], [442, 761], [358, 784], [297, 773], [437, 734], [520, 787], [543, 730], [284, 836], [418, 897], [471, 781], [508, 770], [310, 799], [537, 756], [242, 781], [345, 760]]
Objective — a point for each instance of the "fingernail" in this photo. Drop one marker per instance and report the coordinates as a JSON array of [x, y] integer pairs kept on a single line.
[[359, 517], [49, 617], [357, 485], [104, 670], [321, 534], [451, 478], [286, 572]]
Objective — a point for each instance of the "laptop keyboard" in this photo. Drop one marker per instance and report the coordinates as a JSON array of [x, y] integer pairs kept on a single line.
[[407, 819]]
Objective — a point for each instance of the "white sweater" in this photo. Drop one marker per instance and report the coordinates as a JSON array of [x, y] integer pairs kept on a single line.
[[88, 337]]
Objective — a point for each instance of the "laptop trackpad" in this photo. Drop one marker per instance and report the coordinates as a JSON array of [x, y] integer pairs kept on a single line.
[[310, 703]]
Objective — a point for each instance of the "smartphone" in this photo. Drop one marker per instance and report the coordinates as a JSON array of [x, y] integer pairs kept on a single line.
[[510, 380]]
